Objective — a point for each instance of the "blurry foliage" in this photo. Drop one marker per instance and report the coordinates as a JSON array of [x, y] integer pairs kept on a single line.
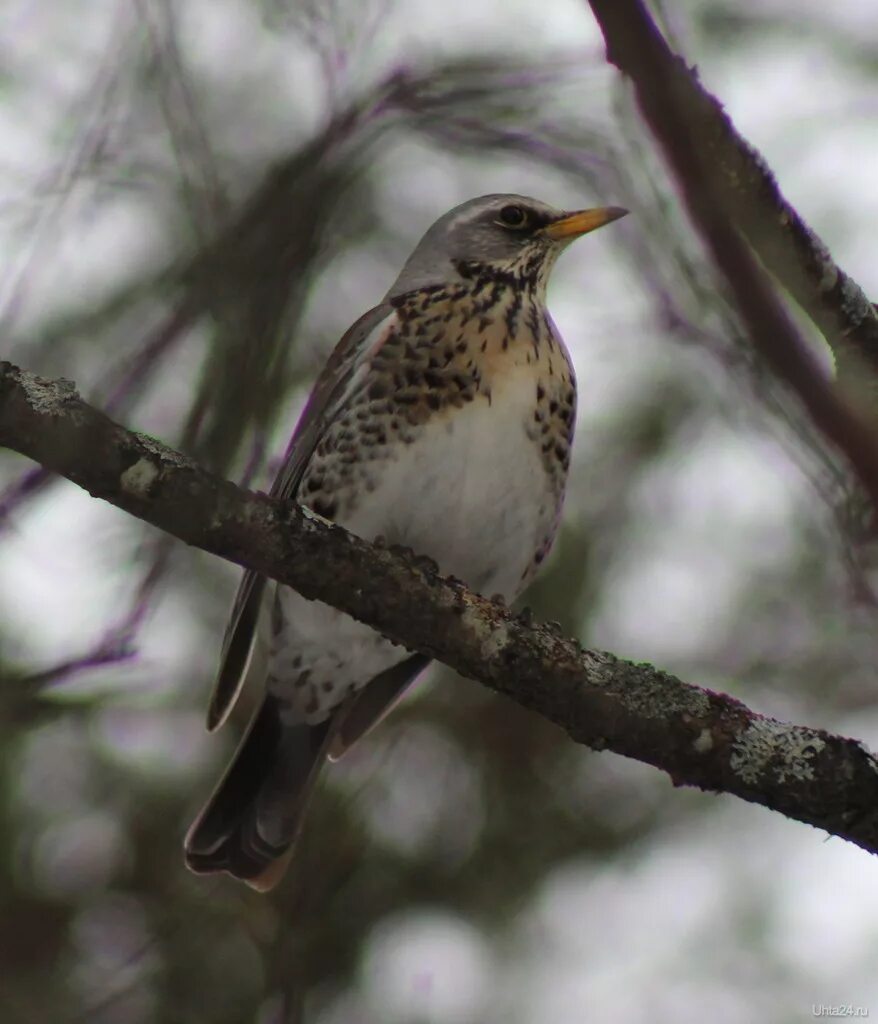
[[460, 800]]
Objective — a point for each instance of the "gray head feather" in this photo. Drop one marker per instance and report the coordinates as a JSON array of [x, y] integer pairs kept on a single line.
[[473, 232]]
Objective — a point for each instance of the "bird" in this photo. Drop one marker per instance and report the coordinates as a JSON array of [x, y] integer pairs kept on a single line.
[[442, 422]]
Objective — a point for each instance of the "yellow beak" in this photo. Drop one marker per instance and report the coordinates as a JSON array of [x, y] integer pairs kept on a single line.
[[572, 225]]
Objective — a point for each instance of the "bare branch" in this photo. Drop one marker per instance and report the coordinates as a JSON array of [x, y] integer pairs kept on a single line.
[[122, 385], [725, 195], [699, 738], [747, 190]]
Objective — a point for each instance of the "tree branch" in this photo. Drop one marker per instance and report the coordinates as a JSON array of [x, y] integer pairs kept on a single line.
[[728, 189], [698, 737], [750, 194]]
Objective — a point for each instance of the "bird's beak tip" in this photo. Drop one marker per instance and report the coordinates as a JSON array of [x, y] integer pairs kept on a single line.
[[572, 225]]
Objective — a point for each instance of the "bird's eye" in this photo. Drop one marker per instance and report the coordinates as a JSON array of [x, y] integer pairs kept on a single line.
[[514, 217]]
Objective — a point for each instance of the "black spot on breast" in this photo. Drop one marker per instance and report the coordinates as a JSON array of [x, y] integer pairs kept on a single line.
[[513, 311]]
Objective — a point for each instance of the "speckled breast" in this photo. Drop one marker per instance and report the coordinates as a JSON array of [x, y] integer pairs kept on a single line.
[[457, 441]]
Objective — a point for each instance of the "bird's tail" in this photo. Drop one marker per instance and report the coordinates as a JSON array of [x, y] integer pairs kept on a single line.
[[251, 821]]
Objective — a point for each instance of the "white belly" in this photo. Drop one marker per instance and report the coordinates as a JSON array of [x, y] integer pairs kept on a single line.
[[471, 492], [466, 493]]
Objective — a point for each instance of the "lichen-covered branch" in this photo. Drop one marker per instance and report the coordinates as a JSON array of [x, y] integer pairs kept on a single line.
[[730, 195], [699, 738], [748, 192]]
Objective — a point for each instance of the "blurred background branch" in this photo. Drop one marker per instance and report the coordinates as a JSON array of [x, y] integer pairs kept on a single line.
[[731, 193], [741, 184]]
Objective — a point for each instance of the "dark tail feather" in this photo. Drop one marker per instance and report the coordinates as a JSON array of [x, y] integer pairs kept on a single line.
[[252, 819]]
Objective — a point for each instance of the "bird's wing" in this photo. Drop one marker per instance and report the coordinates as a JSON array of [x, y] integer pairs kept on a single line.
[[339, 379], [364, 710]]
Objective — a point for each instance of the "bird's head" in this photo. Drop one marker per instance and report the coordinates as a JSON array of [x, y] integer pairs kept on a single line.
[[505, 236]]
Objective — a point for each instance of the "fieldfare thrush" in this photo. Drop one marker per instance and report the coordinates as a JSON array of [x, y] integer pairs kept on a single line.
[[442, 422]]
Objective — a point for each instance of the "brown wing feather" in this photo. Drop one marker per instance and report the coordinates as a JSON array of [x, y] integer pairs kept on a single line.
[[377, 698], [238, 645], [330, 390]]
